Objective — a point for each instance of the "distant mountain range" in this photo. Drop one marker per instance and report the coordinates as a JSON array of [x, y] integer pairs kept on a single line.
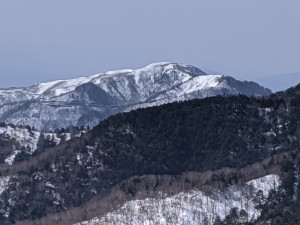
[[88, 100]]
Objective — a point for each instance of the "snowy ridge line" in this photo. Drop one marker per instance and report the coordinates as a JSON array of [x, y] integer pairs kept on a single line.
[[60, 87], [56, 88]]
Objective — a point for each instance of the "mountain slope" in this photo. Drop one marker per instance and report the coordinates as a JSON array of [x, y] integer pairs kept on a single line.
[[15, 140], [19, 144], [88, 100], [194, 207], [140, 153]]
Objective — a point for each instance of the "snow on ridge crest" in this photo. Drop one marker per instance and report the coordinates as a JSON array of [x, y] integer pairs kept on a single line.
[[59, 87], [51, 89]]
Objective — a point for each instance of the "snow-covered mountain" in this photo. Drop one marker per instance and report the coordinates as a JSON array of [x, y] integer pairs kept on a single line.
[[87, 100]]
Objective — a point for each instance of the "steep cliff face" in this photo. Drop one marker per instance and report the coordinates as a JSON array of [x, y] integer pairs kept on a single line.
[[88, 100]]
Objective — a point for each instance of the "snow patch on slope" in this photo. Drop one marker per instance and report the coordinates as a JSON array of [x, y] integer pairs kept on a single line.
[[208, 81], [10, 159], [25, 138], [4, 182], [57, 138], [193, 207]]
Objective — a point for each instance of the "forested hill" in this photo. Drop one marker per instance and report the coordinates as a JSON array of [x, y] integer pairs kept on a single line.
[[196, 135]]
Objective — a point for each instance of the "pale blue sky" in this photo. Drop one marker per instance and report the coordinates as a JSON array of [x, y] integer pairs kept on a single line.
[[43, 40]]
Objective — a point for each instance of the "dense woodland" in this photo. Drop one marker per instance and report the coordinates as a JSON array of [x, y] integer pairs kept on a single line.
[[196, 135]]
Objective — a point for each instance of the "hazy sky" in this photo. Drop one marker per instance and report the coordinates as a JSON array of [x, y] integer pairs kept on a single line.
[[42, 40]]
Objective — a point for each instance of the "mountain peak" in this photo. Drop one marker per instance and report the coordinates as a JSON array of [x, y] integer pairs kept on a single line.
[[87, 100], [176, 66]]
